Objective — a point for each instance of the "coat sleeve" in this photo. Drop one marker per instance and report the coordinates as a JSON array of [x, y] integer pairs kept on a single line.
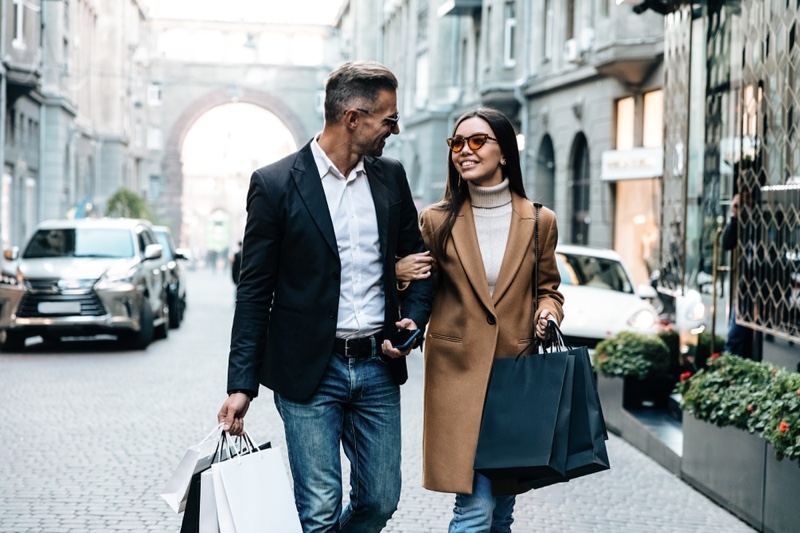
[[259, 267], [550, 297]]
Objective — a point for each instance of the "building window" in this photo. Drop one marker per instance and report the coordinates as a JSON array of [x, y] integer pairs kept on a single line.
[[510, 35], [653, 131], [625, 124], [422, 23], [570, 18], [581, 184], [547, 34], [421, 84], [155, 139], [154, 93], [19, 24]]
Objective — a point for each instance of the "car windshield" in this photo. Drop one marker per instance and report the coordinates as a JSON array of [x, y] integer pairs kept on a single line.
[[163, 240], [593, 271], [80, 242]]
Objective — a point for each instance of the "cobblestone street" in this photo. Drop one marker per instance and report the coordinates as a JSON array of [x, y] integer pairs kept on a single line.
[[91, 434]]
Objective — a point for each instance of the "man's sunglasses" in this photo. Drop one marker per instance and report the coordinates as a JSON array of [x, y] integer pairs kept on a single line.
[[389, 121], [475, 142]]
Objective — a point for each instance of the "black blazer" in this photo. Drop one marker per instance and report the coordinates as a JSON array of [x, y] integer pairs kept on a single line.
[[288, 293]]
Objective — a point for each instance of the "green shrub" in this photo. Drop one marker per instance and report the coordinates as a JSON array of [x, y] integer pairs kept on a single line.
[[632, 354], [754, 396]]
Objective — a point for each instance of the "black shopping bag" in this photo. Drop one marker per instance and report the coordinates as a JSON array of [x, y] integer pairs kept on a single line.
[[525, 424], [191, 515], [586, 452]]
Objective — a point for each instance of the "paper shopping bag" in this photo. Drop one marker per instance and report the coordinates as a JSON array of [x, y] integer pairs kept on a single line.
[[208, 521], [586, 453], [525, 414], [253, 494], [196, 459]]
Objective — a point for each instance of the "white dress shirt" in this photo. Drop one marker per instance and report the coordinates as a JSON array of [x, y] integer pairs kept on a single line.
[[352, 209]]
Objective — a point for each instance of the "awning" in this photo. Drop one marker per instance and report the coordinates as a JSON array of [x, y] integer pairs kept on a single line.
[[638, 163], [458, 7]]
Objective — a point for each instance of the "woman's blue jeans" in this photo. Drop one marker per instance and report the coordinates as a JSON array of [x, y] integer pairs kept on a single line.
[[480, 512], [357, 404]]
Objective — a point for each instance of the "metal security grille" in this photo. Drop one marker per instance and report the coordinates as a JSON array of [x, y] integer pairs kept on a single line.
[[677, 54], [768, 262]]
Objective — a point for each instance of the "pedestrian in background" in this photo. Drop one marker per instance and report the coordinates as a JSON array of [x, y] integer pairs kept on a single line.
[[740, 338], [317, 309], [481, 238], [236, 264]]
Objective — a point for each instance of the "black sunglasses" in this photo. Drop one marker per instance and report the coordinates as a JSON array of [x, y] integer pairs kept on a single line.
[[389, 121], [475, 142]]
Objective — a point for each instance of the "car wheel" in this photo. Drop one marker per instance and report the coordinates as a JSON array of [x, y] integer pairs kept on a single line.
[[15, 342], [162, 330], [140, 340], [175, 311]]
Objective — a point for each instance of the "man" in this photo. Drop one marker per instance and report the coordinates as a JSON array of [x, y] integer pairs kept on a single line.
[[740, 338], [317, 309], [236, 264]]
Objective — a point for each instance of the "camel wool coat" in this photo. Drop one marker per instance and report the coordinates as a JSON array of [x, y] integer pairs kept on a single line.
[[469, 327]]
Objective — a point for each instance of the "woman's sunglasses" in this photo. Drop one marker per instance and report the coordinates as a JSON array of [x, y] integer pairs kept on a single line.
[[475, 142]]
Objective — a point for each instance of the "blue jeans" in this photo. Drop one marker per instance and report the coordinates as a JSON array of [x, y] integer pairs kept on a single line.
[[357, 403], [480, 512], [740, 338]]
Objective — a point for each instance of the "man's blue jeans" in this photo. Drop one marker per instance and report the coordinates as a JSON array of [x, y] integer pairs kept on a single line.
[[358, 404], [481, 511]]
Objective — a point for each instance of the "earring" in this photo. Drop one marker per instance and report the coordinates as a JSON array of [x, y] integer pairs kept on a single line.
[[503, 161]]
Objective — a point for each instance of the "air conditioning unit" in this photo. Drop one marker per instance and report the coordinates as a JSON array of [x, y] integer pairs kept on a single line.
[[572, 52]]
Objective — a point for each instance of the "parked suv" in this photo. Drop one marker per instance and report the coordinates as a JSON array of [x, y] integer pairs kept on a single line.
[[176, 275], [85, 277]]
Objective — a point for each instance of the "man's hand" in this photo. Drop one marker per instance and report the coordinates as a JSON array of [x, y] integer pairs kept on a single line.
[[232, 413], [391, 351]]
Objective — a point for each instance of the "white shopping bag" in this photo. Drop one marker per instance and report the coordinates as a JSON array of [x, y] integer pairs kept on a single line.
[[253, 494], [208, 521], [196, 459]]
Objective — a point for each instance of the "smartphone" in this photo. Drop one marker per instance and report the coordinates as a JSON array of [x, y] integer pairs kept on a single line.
[[410, 340]]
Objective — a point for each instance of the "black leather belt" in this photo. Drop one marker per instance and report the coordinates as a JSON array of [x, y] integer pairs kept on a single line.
[[360, 347]]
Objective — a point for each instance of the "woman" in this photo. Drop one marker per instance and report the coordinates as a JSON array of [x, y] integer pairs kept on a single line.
[[481, 242]]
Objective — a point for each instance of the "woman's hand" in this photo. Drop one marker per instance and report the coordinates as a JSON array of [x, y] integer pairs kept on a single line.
[[413, 267], [541, 324]]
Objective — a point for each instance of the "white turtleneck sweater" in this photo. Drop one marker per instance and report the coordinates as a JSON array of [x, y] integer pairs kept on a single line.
[[491, 208]]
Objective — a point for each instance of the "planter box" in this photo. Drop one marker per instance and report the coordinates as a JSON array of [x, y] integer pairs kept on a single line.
[[610, 390], [782, 482], [728, 465]]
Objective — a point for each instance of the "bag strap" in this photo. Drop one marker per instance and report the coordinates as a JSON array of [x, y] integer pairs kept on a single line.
[[534, 342], [537, 206]]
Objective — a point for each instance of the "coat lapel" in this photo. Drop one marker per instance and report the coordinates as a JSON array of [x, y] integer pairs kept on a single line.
[[380, 196], [519, 238], [309, 184], [465, 241]]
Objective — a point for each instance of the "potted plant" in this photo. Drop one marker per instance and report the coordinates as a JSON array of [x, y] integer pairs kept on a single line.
[[751, 410], [643, 363]]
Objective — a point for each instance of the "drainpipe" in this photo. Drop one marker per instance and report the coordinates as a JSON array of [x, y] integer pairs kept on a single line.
[[3, 101]]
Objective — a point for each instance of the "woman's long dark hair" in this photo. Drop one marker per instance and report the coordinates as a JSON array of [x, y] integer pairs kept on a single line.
[[457, 189]]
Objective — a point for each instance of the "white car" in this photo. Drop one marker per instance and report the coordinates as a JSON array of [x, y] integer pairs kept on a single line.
[[600, 299]]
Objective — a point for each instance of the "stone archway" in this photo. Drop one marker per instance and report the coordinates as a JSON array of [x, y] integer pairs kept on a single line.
[[170, 202]]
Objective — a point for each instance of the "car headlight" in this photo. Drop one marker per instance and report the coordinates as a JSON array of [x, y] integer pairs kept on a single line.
[[8, 279], [642, 319], [116, 278]]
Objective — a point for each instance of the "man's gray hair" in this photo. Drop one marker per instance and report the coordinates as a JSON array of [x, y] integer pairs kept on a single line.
[[355, 84]]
